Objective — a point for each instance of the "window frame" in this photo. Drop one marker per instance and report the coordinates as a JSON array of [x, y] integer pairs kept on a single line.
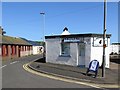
[[61, 49]]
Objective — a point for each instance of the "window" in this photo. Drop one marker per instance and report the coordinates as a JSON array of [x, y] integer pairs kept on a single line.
[[65, 48], [82, 49]]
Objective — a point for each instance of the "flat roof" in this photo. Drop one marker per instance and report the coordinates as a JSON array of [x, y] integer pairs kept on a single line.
[[77, 35], [116, 43]]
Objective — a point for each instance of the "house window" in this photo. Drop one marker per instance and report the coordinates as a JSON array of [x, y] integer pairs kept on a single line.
[[65, 48], [82, 49]]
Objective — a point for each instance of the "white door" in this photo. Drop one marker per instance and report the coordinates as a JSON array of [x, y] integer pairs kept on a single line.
[[81, 54]]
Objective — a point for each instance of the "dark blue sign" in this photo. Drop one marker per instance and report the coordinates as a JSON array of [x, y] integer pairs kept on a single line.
[[93, 67]]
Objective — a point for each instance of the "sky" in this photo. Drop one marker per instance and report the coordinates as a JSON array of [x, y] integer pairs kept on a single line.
[[23, 19]]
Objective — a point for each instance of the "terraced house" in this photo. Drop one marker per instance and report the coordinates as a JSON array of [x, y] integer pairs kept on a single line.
[[13, 47]]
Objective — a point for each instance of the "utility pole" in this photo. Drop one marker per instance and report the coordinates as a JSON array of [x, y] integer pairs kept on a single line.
[[43, 14], [104, 45]]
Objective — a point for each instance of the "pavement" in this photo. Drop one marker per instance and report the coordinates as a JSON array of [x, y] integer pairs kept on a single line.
[[77, 73]]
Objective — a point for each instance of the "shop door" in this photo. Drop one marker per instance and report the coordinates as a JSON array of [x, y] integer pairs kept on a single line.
[[81, 54]]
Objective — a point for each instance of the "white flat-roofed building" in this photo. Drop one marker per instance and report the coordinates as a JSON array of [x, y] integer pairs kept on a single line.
[[37, 50], [36, 45], [115, 48], [76, 49]]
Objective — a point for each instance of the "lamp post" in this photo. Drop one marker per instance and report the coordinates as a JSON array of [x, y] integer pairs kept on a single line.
[[104, 45], [43, 14]]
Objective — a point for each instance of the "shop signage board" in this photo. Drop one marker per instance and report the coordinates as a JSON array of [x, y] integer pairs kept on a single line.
[[93, 67]]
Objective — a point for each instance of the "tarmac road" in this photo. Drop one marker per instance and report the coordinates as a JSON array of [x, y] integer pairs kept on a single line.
[[14, 76]]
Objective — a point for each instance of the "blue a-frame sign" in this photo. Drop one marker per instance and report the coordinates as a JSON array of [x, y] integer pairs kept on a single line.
[[93, 67]]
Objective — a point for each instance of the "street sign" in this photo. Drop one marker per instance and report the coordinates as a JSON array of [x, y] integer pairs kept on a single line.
[[93, 67]]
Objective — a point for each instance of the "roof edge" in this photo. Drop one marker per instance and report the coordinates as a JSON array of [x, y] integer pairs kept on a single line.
[[77, 35]]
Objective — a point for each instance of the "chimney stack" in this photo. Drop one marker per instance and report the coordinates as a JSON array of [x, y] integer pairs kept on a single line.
[[65, 31]]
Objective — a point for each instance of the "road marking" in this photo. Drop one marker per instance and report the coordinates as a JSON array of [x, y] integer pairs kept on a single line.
[[3, 66], [59, 78], [100, 86], [14, 62]]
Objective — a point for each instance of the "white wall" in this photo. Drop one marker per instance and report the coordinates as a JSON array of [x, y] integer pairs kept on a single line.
[[53, 48], [36, 50], [26, 53], [23, 53], [97, 53], [114, 48], [81, 58], [87, 51]]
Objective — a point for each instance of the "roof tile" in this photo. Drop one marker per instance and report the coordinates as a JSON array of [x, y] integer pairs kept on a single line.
[[14, 40]]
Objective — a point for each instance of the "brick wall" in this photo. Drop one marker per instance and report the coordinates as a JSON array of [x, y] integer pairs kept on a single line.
[[15, 51]]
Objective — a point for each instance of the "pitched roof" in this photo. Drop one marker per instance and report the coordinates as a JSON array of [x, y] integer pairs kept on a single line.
[[13, 40], [34, 43]]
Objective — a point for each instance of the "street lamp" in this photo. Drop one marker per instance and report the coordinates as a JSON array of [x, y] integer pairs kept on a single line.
[[43, 14], [104, 45]]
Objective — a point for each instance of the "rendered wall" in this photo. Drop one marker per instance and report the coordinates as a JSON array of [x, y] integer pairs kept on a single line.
[[36, 49], [115, 49], [53, 48], [97, 53], [87, 51]]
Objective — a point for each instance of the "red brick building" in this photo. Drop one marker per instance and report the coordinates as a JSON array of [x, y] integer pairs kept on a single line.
[[12, 47]]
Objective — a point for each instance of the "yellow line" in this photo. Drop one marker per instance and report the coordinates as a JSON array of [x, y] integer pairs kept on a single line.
[[25, 66]]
